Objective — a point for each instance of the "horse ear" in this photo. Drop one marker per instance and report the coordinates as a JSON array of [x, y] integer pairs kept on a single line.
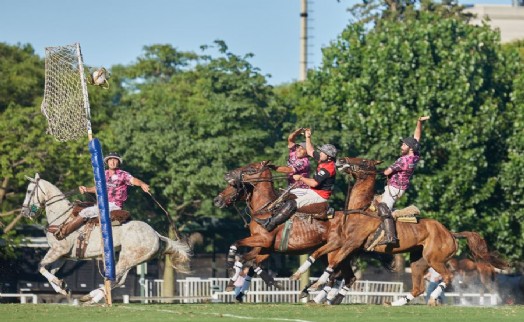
[[378, 162], [37, 176], [29, 178], [264, 163]]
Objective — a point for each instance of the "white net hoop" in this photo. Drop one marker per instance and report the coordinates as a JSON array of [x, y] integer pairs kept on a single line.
[[66, 103]]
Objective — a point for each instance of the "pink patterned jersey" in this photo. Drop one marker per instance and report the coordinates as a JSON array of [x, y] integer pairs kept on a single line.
[[117, 186], [299, 166], [403, 169]]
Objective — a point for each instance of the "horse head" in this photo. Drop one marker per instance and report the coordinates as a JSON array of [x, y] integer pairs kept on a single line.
[[358, 167], [34, 197], [41, 194], [241, 183]]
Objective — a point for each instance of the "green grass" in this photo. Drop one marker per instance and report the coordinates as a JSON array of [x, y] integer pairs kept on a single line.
[[254, 312]]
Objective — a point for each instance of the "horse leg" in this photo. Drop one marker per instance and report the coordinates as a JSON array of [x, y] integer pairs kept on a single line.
[[335, 258], [305, 293], [419, 266], [261, 241], [447, 277], [349, 277], [231, 254], [330, 289], [52, 256], [268, 279], [133, 252], [327, 248]]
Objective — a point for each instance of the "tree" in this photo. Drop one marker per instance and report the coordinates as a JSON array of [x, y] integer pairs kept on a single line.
[[189, 119], [374, 82]]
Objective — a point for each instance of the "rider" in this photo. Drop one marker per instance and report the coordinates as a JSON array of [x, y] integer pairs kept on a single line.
[[117, 181], [320, 186], [399, 174], [297, 162]]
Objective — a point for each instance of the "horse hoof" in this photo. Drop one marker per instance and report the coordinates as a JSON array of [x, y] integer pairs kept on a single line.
[[386, 304], [278, 285]]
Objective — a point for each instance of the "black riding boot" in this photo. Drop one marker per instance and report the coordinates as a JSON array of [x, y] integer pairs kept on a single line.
[[284, 213], [389, 224]]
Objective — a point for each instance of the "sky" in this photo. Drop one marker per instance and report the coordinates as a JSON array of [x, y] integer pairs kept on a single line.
[[115, 31]]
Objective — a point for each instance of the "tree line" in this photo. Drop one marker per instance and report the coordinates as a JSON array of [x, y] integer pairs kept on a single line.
[[182, 119]]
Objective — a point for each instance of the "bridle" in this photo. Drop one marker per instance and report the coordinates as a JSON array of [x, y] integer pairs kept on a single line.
[[32, 210], [361, 170], [245, 187]]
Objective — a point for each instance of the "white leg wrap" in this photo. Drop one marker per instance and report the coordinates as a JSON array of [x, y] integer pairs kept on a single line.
[[99, 295], [322, 295], [232, 250], [325, 276], [50, 277], [436, 293], [331, 295], [305, 266], [344, 291], [403, 300]]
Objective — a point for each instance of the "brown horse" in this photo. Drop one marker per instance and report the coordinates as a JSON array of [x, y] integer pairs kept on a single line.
[[428, 241], [254, 184], [473, 274]]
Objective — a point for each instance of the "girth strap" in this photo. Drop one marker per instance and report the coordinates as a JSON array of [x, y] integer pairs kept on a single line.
[[285, 235]]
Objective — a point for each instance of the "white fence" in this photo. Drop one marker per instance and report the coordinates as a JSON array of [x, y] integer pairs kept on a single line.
[[196, 290], [23, 297]]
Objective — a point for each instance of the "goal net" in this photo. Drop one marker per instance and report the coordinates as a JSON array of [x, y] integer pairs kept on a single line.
[[66, 104]]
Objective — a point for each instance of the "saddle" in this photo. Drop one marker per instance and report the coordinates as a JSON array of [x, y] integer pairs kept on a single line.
[[74, 222], [118, 217], [318, 211], [407, 215]]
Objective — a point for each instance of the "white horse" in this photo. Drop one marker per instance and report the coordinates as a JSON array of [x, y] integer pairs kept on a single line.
[[136, 240]]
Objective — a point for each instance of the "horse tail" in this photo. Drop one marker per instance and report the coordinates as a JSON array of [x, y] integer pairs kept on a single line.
[[179, 254], [479, 249]]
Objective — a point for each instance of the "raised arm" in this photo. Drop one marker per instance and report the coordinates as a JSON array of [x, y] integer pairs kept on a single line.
[[418, 129], [291, 138], [309, 146]]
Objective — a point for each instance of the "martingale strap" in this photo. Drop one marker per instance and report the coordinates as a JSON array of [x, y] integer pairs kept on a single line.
[[285, 235]]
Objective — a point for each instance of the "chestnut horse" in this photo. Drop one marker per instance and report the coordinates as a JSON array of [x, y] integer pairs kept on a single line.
[[254, 184], [428, 242], [474, 274]]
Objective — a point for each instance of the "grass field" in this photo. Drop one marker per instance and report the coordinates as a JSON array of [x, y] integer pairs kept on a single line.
[[254, 312]]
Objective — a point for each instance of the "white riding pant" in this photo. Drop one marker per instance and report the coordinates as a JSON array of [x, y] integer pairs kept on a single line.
[[92, 212], [391, 195], [306, 197]]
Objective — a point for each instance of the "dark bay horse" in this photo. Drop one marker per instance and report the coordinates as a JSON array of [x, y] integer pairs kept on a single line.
[[254, 184], [428, 242]]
